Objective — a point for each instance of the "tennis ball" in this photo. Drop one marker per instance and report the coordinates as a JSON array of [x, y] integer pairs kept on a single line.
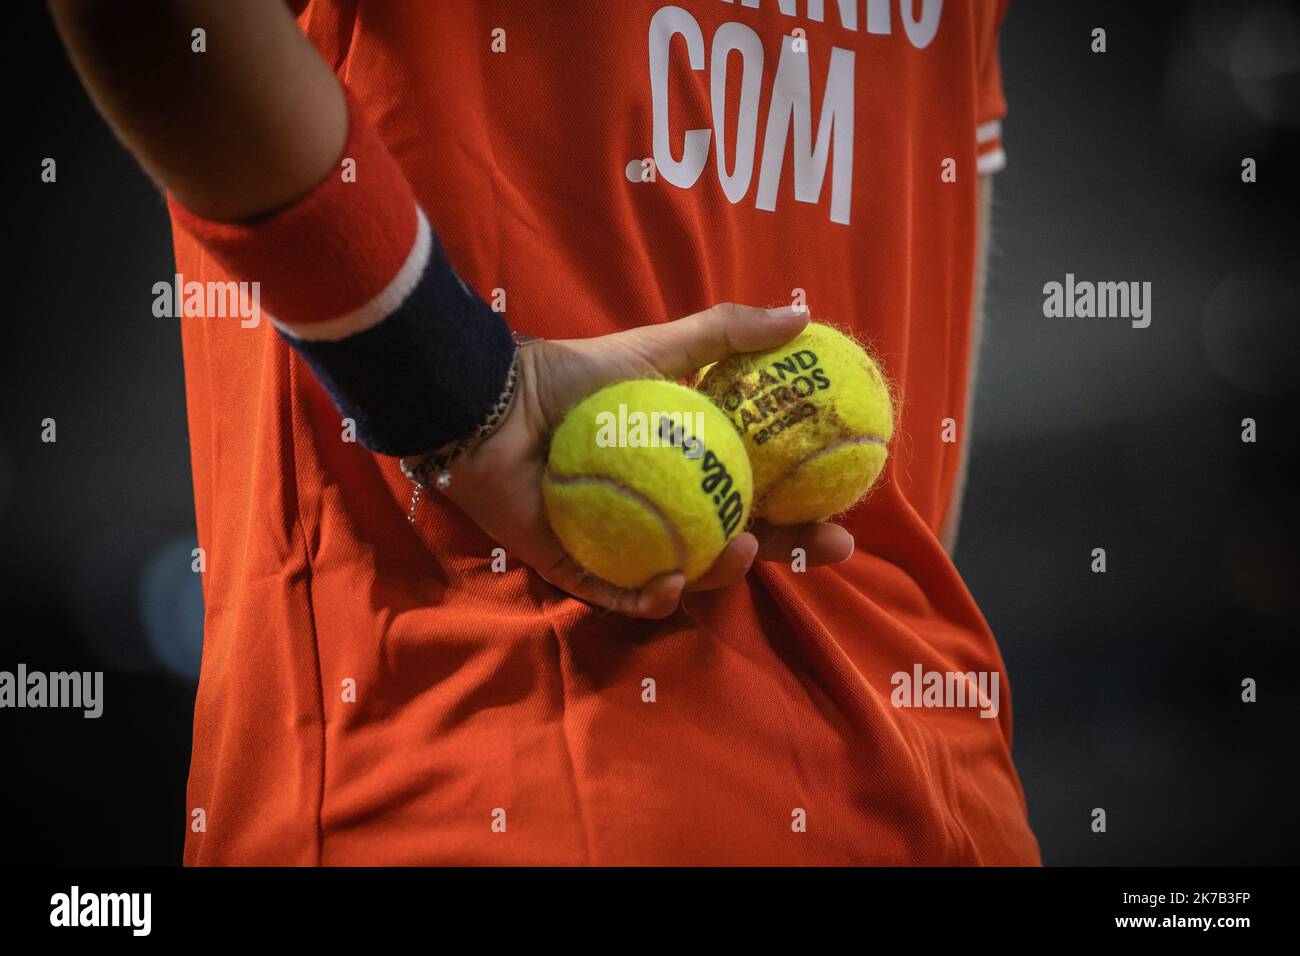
[[816, 417], [646, 477]]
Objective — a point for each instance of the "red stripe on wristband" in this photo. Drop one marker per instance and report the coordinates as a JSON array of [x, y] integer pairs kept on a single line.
[[333, 251]]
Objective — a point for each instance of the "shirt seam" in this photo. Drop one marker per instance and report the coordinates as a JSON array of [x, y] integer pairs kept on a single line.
[[568, 748], [311, 608]]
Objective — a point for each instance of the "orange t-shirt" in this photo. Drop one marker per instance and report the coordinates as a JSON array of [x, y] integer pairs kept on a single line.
[[374, 692]]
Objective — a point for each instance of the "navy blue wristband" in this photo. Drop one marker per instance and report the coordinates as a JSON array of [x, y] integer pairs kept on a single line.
[[425, 375]]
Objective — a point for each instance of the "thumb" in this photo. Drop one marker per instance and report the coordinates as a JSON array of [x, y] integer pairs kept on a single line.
[[679, 348]]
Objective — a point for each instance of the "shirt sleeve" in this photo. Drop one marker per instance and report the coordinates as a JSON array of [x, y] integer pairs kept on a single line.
[[991, 105]]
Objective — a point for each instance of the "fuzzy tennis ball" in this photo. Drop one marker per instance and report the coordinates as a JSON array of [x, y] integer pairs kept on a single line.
[[816, 417], [646, 477]]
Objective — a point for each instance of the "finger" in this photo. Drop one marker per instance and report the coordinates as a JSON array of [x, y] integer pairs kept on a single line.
[[822, 542], [660, 596], [731, 565], [656, 599], [678, 348]]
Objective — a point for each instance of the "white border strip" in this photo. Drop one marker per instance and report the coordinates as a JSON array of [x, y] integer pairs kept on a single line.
[[991, 162], [381, 306], [987, 132]]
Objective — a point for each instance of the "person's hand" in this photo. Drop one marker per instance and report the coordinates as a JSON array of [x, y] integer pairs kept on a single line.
[[498, 483]]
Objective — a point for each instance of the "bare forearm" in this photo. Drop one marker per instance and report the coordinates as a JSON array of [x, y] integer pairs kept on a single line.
[[249, 125]]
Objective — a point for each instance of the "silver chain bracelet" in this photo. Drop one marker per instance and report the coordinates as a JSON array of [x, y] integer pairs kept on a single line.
[[431, 470]]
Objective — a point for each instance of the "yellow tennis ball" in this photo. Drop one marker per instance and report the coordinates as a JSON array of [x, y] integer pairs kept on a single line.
[[646, 477], [817, 420]]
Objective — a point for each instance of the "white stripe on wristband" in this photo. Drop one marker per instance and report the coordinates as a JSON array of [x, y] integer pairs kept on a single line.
[[381, 306]]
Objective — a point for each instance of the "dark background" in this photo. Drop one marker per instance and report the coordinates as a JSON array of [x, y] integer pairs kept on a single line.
[[1124, 166]]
